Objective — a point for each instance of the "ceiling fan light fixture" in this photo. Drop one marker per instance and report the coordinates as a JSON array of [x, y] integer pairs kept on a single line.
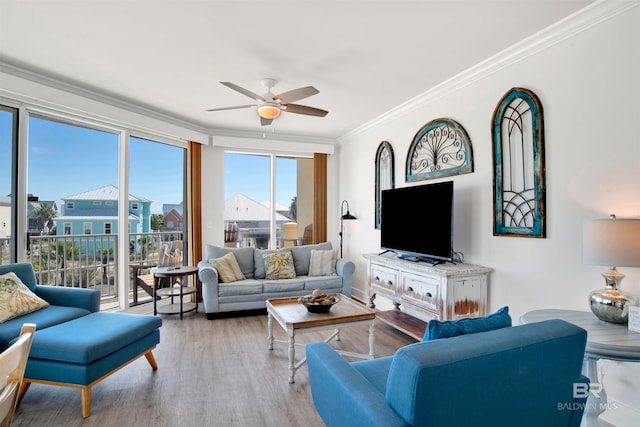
[[268, 111]]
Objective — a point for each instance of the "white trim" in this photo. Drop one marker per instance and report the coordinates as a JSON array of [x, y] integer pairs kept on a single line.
[[49, 95], [578, 22]]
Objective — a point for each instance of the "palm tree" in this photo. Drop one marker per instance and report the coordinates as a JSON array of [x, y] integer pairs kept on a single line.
[[44, 215]]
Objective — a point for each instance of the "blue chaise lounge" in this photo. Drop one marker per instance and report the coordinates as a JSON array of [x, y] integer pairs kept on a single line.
[[75, 345]]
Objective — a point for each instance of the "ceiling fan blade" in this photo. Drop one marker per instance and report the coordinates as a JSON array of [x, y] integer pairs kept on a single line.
[[243, 91], [265, 122], [231, 108], [297, 94], [303, 109]]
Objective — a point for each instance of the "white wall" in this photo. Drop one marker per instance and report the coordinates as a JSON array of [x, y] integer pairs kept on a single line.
[[585, 74]]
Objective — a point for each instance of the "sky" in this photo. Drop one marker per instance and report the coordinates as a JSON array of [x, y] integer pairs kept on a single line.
[[64, 160]]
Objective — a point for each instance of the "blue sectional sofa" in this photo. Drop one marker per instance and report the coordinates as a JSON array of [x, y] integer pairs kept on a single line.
[[255, 289], [76, 345], [513, 376]]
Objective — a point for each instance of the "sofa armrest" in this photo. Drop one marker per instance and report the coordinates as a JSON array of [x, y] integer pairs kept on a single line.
[[208, 276], [341, 395], [89, 299], [345, 269]]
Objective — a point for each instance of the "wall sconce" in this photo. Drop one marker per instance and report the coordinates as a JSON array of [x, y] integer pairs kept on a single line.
[[611, 242], [344, 216]]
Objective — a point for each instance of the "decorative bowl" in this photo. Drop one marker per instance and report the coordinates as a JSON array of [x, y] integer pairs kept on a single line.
[[318, 306]]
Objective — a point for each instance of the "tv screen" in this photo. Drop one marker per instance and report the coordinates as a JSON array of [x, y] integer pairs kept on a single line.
[[417, 222]]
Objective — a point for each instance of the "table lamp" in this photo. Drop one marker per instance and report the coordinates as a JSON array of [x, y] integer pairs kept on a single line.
[[615, 243]]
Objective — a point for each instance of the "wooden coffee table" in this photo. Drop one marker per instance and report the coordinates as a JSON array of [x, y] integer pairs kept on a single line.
[[294, 318]]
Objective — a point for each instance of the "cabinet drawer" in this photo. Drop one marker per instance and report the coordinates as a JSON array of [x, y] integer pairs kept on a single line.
[[384, 278], [421, 290]]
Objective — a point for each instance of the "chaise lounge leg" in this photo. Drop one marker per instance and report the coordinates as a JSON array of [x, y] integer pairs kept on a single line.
[[151, 360], [23, 389], [85, 396]]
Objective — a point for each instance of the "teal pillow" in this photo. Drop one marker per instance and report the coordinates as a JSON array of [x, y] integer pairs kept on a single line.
[[437, 329]]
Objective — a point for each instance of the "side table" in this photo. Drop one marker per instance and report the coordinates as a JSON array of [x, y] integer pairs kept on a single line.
[[604, 341], [175, 291]]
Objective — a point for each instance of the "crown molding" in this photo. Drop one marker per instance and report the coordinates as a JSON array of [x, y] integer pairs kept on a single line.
[[22, 72], [568, 27]]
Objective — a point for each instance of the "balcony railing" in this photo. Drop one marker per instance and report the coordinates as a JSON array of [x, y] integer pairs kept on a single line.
[[90, 260]]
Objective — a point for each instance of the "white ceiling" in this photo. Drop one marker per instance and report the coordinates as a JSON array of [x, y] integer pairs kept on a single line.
[[364, 56]]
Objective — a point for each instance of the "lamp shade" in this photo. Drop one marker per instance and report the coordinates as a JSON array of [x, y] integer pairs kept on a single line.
[[268, 111], [611, 242]]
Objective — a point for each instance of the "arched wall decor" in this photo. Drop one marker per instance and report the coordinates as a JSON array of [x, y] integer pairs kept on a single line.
[[518, 165], [441, 148], [385, 174]]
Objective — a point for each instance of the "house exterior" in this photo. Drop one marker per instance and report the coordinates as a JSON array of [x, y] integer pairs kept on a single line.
[[96, 212], [172, 217], [33, 204]]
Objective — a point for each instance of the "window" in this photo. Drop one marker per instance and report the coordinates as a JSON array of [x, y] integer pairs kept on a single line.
[[87, 227], [69, 205], [67, 229], [108, 202], [135, 206], [8, 152], [107, 228], [249, 188], [97, 203]]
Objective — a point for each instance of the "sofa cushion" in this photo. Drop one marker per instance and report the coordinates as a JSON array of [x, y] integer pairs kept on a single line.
[[282, 285], [244, 256], [16, 298], [302, 256], [241, 287], [323, 263], [44, 318], [437, 329], [91, 337], [322, 282], [279, 265], [228, 268]]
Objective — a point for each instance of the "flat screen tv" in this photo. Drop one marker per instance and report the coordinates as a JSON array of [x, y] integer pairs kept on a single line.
[[417, 222]]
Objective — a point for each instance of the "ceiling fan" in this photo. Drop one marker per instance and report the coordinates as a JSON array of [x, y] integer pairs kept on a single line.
[[269, 106]]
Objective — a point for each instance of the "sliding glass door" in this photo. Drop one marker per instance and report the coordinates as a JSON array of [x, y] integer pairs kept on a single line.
[[266, 197]]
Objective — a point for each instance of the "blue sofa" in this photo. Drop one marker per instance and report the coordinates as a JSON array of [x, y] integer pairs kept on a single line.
[[514, 376], [253, 292], [76, 345]]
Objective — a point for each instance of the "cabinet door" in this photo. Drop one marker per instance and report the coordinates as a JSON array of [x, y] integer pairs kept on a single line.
[[383, 279], [423, 291], [468, 297]]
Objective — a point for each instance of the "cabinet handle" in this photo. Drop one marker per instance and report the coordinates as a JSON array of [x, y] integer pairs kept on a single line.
[[377, 278], [389, 282], [410, 289], [428, 294]]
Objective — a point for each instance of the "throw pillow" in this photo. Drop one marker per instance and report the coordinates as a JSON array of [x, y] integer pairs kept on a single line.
[[323, 263], [437, 329], [16, 299], [279, 265], [228, 268]]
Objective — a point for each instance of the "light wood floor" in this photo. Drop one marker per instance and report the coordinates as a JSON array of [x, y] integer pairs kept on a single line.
[[210, 372]]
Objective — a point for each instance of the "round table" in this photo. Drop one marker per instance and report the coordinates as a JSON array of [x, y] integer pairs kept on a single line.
[[175, 291], [605, 340]]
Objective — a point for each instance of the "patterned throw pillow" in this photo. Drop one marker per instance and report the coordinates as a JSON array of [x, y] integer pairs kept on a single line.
[[279, 265], [228, 268], [16, 299], [323, 263], [437, 329]]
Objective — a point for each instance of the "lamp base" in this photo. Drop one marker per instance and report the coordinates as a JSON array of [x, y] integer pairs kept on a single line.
[[611, 305]]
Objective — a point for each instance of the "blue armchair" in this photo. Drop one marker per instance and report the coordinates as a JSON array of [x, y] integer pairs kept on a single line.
[[514, 376]]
